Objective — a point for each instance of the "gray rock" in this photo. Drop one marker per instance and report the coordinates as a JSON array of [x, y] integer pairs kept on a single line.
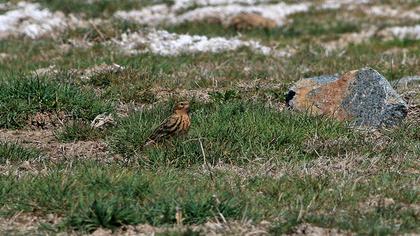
[[363, 97]]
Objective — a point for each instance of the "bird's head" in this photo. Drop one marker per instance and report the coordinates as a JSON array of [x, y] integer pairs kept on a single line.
[[183, 106]]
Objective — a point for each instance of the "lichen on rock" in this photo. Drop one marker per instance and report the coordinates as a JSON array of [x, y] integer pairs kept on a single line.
[[363, 97]]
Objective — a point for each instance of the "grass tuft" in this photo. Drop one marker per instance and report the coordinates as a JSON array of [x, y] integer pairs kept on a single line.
[[21, 97], [15, 153]]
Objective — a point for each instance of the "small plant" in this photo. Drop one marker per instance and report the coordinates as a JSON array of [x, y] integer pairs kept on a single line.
[[103, 213], [222, 97]]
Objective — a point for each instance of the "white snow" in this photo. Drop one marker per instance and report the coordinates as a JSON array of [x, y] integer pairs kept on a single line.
[[30, 20], [350, 38], [185, 4], [277, 12], [162, 14], [387, 11], [152, 16], [402, 32], [169, 44], [336, 4]]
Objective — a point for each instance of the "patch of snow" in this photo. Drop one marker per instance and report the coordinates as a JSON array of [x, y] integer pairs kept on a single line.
[[169, 44], [29, 19], [185, 4], [402, 32], [387, 11], [336, 4], [160, 14], [277, 12], [350, 38], [153, 15]]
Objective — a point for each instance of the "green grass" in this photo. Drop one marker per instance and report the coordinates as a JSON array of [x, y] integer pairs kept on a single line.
[[21, 97], [94, 196], [79, 131], [266, 165], [121, 196], [28, 52], [234, 132], [146, 75], [156, 181], [14, 153]]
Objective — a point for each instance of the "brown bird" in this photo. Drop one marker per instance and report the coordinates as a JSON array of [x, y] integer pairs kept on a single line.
[[178, 123]]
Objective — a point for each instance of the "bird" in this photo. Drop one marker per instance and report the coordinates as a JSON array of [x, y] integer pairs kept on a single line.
[[176, 124]]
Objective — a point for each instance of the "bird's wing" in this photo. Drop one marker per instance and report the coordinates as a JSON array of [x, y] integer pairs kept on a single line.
[[168, 127]]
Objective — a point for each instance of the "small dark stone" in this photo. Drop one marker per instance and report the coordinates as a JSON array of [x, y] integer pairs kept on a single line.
[[289, 97]]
